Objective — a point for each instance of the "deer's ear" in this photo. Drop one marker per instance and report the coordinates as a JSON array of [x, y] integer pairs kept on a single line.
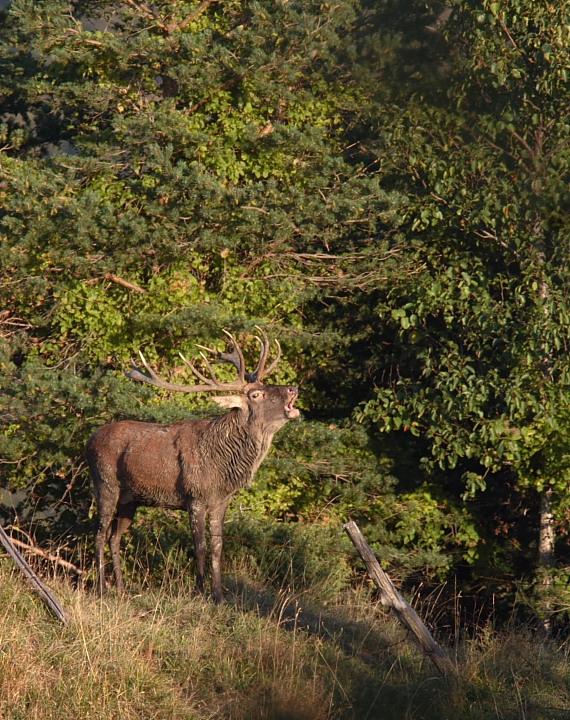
[[231, 401]]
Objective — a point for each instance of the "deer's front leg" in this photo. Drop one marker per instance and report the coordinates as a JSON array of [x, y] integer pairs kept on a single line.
[[217, 516], [198, 528]]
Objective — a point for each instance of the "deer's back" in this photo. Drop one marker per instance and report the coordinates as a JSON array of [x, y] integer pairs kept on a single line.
[[168, 465], [156, 464]]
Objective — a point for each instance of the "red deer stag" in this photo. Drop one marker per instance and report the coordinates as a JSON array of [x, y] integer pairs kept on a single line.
[[195, 465]]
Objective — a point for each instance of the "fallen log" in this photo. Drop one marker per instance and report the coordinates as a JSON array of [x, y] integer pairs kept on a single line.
[[390, 597], [40, 587]]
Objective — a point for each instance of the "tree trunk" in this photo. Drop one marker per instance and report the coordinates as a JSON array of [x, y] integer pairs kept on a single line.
[[546, 533], [546, 530], [546, 555]]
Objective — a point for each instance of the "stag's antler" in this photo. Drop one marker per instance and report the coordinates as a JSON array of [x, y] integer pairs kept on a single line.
[[260, 372], [235, 358], [212, 384]]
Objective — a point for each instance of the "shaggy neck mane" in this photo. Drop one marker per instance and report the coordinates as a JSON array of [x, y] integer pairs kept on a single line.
[[241, 446]]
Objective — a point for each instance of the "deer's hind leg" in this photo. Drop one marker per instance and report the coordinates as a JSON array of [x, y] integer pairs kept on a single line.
[[107, 497], [123, 521]]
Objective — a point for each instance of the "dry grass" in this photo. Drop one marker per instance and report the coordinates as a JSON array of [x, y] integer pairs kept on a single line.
[[166, 654]]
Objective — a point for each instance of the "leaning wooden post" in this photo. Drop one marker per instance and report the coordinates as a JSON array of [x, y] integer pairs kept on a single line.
[[46, 594], [390, 597]]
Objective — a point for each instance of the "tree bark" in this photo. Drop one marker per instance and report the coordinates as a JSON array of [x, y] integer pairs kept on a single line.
[[546, 529], [390, 597], [45, 593], [546, 532]]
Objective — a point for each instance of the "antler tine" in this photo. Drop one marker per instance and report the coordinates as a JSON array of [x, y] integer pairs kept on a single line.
[[136, 374], [259, 371], [147, 367], [232, 357], [197, 372], [152, 378], [210, 368], [203, 347], [235, 357], [273, 365]]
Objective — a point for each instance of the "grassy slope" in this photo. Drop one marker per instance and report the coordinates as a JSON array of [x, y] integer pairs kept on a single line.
[[165, 654]]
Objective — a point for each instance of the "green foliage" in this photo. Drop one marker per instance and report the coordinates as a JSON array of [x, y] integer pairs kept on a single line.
[[437, 526], [382, 186], [548, 597], [141, 204], [330, 471], [477, 331]]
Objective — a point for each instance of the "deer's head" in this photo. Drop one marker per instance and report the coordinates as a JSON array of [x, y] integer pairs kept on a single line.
[[270, 405]]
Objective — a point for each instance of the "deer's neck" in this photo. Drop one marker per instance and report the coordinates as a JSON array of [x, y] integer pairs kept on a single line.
[[241, 449]]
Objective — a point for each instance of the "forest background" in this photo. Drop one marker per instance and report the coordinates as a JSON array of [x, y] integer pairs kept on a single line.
[[382, 186]]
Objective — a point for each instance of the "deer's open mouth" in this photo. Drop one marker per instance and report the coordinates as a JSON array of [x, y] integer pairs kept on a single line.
[[290, 410]]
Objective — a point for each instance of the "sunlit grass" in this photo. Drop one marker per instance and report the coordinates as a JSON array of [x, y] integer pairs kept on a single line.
[[268, 654]]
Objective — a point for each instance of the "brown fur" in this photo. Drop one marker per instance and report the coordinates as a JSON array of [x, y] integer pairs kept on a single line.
[[196, 465]]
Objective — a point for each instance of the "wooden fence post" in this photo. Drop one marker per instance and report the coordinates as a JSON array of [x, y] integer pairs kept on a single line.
[[390, 597], [46, 594]]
